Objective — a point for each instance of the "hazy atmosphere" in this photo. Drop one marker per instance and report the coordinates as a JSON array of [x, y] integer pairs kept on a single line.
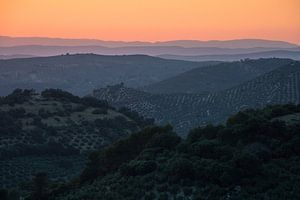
[[157, 20], [149, 100]]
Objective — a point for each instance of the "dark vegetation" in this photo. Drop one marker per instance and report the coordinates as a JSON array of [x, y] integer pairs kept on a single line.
[[15, 109], [56, 125], [253, 156]]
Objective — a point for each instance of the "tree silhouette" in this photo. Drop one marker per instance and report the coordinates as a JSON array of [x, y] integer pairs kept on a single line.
[[40, 182]]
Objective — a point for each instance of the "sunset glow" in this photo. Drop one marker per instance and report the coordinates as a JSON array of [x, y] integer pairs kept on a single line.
[[153, 20]]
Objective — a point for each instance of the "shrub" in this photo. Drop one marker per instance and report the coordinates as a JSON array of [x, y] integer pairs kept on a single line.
[[59, 94], [40, 182], [247, 164], [163, 196], [111, 158], [180, 168], [18, 96], [167, 140], [208, 132], [205, 149], [150, 196], [187, 191], [93, 102], [3, 194], [100, 111], [145, 167], [43, 113]]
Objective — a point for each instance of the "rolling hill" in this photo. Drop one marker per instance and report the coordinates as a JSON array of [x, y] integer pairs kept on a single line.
[[253, 156], [53, 131], [81, 73], [295, 55], [215, 78], [41, 50], [185, 111]]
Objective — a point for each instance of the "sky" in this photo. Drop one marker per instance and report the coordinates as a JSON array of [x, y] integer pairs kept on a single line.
[[152, 20]]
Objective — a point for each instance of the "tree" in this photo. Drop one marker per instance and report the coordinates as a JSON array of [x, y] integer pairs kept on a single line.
[[40, 182], [3, 194]]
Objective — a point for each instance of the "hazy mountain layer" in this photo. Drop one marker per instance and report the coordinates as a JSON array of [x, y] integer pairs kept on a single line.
[[39, 50], [16, 56], [241, 43], [82, 73]]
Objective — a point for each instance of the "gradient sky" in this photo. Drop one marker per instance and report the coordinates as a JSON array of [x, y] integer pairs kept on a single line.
[[152, 20]]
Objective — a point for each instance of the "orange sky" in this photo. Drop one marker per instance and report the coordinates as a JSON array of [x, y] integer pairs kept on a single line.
[[152, 20]]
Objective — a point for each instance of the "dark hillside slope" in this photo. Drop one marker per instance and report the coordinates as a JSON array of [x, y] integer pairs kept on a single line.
[[53, 131], [253, 156], [216, 78], [82, 73], [185, 111]]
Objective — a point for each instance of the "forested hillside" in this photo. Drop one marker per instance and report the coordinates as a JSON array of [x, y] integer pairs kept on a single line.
[[215, 78], [185, 111], [54, 130], [255, 155]]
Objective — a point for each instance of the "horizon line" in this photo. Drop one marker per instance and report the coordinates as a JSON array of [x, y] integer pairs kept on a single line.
[[151, 41]]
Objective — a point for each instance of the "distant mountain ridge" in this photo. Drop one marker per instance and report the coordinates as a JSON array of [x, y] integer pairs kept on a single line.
[[40, 50], [238, 43], [39, 46]]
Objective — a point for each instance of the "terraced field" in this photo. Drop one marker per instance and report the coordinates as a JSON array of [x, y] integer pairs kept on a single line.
[[185, 111]]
